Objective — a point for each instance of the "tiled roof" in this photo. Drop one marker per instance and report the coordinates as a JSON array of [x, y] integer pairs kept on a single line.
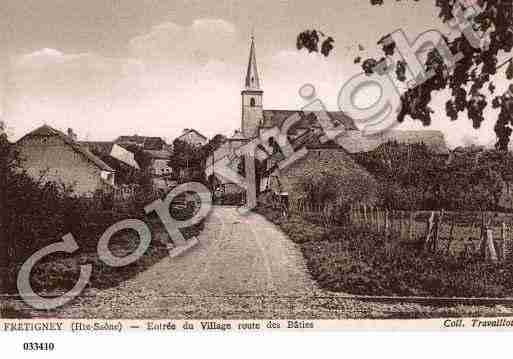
[[159, 155], [148, 143], [154, 143], [189, 130], [274, 118], [311, 139], [99, 146], [47, 131]]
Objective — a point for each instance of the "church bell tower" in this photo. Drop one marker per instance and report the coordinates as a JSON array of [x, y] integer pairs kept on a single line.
[[252, 109]]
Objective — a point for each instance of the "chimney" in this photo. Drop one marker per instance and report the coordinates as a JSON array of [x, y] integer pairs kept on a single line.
[[72, 134]]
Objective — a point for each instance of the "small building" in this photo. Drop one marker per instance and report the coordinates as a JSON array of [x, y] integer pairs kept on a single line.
[[192, 137], [49, 155]]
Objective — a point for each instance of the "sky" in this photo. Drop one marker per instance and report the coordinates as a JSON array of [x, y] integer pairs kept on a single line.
[[109, 67]]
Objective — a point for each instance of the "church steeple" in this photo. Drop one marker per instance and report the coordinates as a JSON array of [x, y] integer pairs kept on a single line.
[[252, 98], [252, 79]]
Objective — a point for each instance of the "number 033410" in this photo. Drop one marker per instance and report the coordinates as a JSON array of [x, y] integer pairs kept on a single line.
[[38, 346]]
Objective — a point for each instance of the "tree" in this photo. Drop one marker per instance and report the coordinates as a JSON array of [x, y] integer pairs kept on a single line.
[[214, 144], [7, 164], [188, 159], [466, 80]]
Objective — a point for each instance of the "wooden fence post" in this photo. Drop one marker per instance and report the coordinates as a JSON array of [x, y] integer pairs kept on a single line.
[[428, 244], [439, 222], [377, 219], [482, 236], [387, 223], [449, 241], [491, 254], [505, 240], [410, 226], [400, 223]]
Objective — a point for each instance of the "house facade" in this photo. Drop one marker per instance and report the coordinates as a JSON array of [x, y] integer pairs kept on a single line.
[[49, 155]]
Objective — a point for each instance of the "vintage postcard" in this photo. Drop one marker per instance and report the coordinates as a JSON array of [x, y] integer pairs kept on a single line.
[[245, 166]]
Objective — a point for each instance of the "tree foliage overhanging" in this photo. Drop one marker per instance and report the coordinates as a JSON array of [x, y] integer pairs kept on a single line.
[[470, 81]]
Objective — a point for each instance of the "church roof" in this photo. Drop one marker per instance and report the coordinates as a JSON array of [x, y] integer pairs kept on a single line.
[[276, 118], [252, 78], [311, 139]]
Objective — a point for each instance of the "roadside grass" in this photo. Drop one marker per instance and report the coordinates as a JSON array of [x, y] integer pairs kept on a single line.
[[360, 261]]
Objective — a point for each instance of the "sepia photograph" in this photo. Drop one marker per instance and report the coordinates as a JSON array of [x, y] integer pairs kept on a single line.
[[221, 166]]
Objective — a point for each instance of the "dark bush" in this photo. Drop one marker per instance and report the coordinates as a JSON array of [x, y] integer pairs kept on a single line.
[[34, 214]]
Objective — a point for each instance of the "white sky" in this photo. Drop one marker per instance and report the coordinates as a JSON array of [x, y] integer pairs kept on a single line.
[[155, 67]]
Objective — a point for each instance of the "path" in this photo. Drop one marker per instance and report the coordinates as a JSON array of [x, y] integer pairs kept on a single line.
[[244, 267]]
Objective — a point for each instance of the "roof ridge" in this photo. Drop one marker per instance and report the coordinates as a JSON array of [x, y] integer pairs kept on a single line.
[[77, 147]]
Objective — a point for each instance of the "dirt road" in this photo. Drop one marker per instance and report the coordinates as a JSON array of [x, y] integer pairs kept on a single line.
[[244, 267]]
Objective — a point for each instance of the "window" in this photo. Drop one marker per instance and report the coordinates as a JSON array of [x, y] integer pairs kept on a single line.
[[252, 102]]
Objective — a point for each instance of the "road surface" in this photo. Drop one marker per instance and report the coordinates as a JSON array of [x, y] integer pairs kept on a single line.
[[243, 267]]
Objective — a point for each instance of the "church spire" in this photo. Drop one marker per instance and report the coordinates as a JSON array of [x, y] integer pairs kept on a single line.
[[252, 79]]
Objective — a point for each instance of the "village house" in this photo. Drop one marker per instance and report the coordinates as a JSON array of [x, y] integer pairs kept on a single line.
[[50, 155]]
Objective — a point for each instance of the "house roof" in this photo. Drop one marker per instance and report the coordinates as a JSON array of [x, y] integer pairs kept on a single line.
[[311, 139], [47, 131], [148, 143], [276, 118], [189, 130], [99, 146], [158, 155]]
